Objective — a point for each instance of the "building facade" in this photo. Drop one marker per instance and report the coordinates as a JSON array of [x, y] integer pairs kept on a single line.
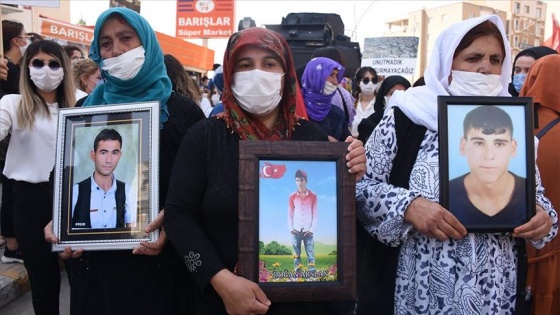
[[525, 26], [524, 22]]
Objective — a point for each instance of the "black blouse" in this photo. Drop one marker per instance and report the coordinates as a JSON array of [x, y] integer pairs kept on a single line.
[[201, 216]]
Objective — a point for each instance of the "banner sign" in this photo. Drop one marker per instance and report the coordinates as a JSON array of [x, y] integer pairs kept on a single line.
[[66, 31], [205, 18], [391, 55]]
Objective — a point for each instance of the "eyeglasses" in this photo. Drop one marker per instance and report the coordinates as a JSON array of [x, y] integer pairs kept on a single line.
[[38, 64], [366, 80]]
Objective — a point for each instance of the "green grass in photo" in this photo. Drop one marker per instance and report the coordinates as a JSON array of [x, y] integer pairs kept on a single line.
[[286, 262]]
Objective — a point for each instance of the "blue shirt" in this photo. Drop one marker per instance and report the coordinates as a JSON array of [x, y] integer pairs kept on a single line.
[[218, 108]]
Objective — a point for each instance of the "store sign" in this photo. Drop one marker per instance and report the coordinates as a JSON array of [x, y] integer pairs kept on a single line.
[[69, 32], [205, 18]]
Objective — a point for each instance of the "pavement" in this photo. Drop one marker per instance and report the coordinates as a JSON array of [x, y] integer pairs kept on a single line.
[[15, 294], [13, 282]]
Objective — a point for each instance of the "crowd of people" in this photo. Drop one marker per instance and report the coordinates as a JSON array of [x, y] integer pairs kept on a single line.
[[414, 255]]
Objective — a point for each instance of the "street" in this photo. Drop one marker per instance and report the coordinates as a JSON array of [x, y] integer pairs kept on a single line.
[[22, 305]]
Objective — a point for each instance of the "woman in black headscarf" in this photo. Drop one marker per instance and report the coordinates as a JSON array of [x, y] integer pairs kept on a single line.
[[389, 85], [521, 66]]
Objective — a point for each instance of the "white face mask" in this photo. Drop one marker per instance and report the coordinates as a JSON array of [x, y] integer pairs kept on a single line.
[[216, 98], [22, 49], [127, 65], [329, 88], [368, 89], [256, 91], [465, 83], [45, 79]]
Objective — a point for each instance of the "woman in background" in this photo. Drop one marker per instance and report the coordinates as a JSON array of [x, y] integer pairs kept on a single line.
[[185, 85], [87, 75], [319, 83], [15, 40], [365, 83], [522, 63], [343, 99], [388, 86], [543, 85]]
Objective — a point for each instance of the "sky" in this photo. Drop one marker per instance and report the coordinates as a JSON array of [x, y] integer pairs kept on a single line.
[[361, 19]]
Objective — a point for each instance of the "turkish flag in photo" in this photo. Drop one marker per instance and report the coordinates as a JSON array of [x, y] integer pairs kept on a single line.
[[274, 171]]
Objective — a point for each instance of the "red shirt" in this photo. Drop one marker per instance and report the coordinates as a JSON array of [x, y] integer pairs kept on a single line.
[[302, 212]]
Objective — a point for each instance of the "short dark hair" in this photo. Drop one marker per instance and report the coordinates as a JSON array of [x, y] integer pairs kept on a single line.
[[69, 49], [106, 135], [489, 119], [301, 174], [10, 30]]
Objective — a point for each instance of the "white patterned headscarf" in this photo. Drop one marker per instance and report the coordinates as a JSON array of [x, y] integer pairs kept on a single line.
[[420, 103]]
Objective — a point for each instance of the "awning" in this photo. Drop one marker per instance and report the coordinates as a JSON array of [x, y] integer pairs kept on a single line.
[[192, 56]]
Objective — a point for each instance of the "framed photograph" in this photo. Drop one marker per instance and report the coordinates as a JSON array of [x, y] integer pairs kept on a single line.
[[106, 176], [487, 161], [297, 223]]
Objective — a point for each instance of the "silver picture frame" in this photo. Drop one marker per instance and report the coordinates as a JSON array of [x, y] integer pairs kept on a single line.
[[136, 169]]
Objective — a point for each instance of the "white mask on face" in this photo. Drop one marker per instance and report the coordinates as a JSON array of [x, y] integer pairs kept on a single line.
[[329, 88], [45, 79], [256, 91], [367, 89], [464, 83], [22, 49], [127, 65], [216, 98]]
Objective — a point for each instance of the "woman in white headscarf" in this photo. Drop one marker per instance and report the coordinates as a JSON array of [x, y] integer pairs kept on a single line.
[[441, 268]]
